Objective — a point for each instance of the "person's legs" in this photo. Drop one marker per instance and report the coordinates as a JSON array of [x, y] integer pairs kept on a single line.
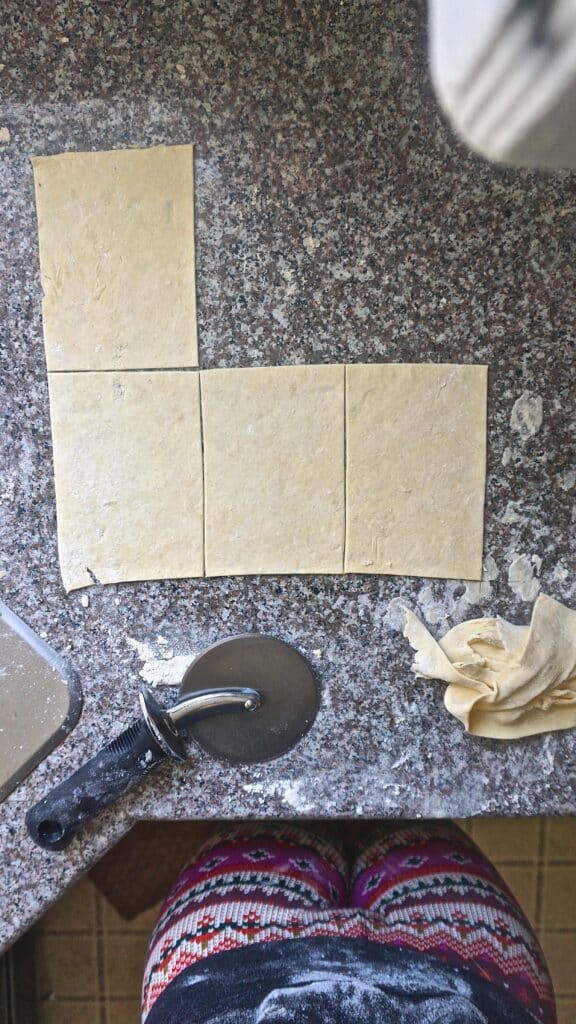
[[430, 889], [254, 883], [423, 887]]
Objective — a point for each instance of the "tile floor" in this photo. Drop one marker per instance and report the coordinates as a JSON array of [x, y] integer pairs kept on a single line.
[[89, 960]]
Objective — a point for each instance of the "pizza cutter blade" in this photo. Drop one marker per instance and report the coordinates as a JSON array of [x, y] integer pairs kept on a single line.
[[288, 693], [246, 699]]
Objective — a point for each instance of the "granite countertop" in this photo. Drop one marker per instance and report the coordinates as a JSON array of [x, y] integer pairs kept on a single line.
[[338, 219]]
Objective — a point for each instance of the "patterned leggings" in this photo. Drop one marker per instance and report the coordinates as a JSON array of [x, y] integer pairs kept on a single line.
[[422, 887]]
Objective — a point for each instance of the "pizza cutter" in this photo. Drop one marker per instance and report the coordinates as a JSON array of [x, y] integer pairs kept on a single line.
[[246, 699]]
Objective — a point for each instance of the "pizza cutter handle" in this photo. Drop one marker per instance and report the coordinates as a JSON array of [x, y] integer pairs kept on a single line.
[[54, 821]]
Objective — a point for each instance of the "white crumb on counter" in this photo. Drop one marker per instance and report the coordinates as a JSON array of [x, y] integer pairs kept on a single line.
[[163, 668], [526, 416]]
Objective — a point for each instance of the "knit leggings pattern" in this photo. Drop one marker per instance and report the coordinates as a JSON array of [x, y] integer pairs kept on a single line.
[[420, 887]]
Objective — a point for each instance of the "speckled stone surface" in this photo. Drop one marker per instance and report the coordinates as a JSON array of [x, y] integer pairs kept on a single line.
[[338, 219]]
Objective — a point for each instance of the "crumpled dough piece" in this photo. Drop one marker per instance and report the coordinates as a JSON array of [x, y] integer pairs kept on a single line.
[[505, 681]]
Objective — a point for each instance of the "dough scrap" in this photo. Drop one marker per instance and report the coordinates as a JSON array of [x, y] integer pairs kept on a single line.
[[116, 237], [128, 475], [416, 469], [274, 470], [505, 681]]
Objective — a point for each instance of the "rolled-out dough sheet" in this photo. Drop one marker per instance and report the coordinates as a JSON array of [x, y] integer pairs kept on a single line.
[[128, 474], [274, 470], [116, 235], [416, 469]]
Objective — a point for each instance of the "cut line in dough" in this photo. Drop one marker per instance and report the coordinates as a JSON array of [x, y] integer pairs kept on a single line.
[[173, 474]]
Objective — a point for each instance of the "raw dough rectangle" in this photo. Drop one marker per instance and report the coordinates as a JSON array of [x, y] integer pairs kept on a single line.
[[416, 469], [274, 470], [116, 236], [128, 473]]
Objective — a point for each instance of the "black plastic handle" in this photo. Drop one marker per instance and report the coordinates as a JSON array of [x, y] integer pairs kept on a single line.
[[54, 821]]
